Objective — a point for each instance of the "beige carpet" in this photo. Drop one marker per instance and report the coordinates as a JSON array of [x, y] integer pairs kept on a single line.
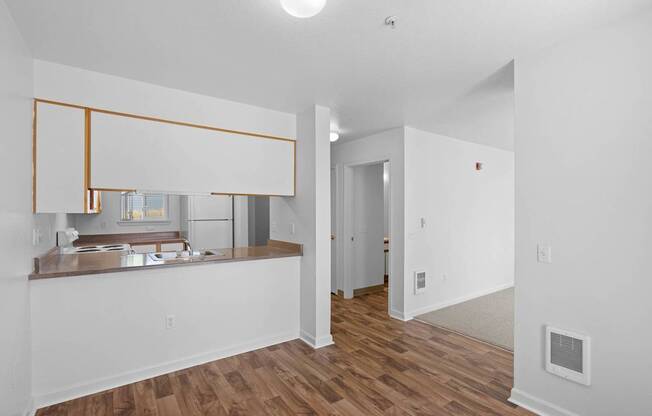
[[488, 318]]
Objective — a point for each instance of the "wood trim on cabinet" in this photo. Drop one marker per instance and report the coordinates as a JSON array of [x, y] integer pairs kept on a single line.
[[91, 203], [87, 146], [40, 100], [112, 190], [87, 161], [162, 120]]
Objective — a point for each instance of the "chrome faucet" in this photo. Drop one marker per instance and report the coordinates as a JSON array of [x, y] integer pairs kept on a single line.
[[187, 245]]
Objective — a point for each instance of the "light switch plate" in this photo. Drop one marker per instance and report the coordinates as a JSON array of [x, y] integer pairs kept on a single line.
[[544, 254]]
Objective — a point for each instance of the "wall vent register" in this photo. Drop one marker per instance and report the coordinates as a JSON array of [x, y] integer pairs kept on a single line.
[[568, 355], [419, 282]]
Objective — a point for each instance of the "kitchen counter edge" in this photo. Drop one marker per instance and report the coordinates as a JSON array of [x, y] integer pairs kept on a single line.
[[274, 249]]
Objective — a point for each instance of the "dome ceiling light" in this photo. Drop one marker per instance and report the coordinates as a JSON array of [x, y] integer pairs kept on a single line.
[[303, 8], [334, 136]]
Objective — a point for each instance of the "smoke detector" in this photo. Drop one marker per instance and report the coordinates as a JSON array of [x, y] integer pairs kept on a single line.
[[391, 21]]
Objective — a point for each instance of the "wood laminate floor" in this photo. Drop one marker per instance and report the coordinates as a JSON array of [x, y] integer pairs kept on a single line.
[[378, 366]]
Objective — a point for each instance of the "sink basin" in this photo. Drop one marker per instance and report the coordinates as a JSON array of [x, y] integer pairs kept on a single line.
[[183, 255]]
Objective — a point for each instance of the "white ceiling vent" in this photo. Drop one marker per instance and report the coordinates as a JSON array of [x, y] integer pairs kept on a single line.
[[568, 355], [419, 282]]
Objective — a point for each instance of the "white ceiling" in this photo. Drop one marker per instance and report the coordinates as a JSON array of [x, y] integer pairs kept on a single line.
[[445, 68]]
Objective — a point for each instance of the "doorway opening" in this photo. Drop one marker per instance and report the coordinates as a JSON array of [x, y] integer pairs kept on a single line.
[[360, 215]]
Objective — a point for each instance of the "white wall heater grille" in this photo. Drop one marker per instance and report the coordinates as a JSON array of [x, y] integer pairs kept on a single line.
[[568, 355], [419, 282]]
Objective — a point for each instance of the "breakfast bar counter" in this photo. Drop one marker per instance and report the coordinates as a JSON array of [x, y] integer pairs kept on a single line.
[[55, 265]]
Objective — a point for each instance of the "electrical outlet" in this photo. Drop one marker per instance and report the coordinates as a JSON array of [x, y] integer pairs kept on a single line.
[[292, 228], [544, 254], [444, 277], [170, 321]]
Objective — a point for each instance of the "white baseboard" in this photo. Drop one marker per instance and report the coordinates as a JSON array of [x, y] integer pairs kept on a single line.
[[320, 342], [399, 315], [106, 383], [30, 409], [465, 298], [537, 406]]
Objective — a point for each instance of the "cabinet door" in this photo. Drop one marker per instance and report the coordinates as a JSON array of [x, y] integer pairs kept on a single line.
[[148, 155], [59, 159]]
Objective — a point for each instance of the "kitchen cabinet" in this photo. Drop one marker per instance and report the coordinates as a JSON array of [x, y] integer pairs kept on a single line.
[[145, 154], [59, 161], [80, 152]]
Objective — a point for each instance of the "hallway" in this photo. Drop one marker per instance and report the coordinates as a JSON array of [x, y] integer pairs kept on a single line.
[[378, 366]]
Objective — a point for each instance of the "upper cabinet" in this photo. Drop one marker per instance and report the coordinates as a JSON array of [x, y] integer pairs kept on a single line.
[[130, 152], [59, 153], [79, 152]]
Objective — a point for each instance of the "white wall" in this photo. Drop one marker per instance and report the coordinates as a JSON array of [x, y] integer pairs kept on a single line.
[[78, 86], [469, 233], [369, 226], [484, 114], [309, 213], [467, 245], [108, 221], [583, 146], [96, 332], [387, 145], [16, 219]]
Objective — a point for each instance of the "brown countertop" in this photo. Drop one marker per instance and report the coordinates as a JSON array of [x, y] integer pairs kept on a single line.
[[53, 264]]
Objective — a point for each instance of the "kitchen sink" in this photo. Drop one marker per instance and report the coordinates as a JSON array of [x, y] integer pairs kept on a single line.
[[183, 255]]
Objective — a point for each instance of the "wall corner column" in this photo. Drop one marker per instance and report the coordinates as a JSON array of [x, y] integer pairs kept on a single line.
[[306, 218]]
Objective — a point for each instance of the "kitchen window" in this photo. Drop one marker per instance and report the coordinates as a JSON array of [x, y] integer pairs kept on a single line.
[[140, 207]]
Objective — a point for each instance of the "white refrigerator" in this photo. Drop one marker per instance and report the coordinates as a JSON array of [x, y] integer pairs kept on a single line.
[[207, 221]]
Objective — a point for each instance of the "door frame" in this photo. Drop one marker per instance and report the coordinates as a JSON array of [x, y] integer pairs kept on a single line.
[[334, 234], [345, 225]]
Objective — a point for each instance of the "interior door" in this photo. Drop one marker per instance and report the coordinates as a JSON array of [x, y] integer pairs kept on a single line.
[[333, 231], [368, 245]]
